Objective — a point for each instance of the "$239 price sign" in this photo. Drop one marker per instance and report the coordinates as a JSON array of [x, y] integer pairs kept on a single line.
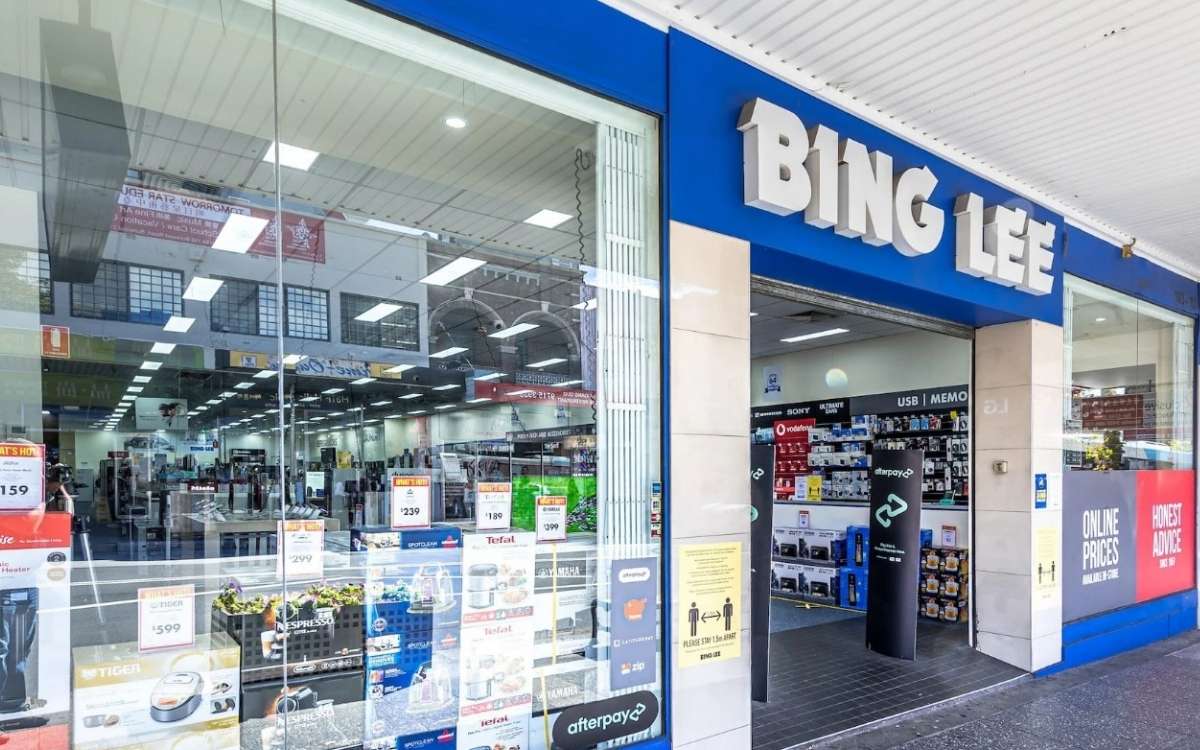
[[166, 617]]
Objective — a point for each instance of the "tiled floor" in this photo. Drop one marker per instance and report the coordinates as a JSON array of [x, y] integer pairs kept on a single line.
[[787, 614], [823, 680], [1144, 699]]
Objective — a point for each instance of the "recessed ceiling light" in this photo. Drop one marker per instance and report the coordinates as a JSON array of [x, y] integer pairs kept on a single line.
[[444, 406], [546, 362], [135, 389], [479, 400], [448, 352], [377, 312], [569, 382], [227, 394], [586, 305], [753, 314], [409, 396], [294, 359], [490, 376], [150, 365], [402, 229], [239, 233], [397, 369], [202, 288], [1101, 319], [362, 381], [264, 374], [142, 378], [178, 324], [370, 421], [522, 392], [393, 416], [316, 419], [45, 412], [201, 408], [817, 335], [272, 411], [331, 391], [455, 269], [384, 402], [336, 413], [356, 408], [161, 348], [416, 412], [291, 156], [511, 331], [310, 399], [244, 385], [547, 218], [447, 387], [213, 401], [456, 122]]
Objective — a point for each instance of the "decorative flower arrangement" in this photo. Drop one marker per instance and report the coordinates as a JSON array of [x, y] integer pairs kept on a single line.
[[232, 599]]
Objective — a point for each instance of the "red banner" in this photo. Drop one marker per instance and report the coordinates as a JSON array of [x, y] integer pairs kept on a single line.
[[34, 530], [197, 221], [1165, 533]]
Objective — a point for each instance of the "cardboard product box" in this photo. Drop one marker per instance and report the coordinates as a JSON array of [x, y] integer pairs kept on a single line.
[[818, 583], [319, 639], [785, 577], [438, 739], [323, 712], [824, 545], [565, 688], [931, 607], [787, 542], [931, 584], [953, 585], [126, 699], [852, 588], [952, 610], [944, 560]]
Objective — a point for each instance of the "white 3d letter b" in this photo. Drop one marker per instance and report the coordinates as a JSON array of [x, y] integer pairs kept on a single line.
[[774, 147]]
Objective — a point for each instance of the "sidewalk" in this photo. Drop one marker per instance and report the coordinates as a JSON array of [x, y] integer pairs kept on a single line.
[[1145, 699]]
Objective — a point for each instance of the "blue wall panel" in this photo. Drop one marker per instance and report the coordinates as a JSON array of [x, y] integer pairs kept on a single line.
[[1089, 257]]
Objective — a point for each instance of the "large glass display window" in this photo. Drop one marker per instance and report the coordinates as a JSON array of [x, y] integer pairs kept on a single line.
[[334, 404]]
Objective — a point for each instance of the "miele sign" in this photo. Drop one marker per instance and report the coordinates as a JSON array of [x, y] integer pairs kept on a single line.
[[838, 183]]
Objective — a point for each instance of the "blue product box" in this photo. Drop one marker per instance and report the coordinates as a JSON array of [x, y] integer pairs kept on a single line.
[[858, 546], [926, 538], [852, 588]]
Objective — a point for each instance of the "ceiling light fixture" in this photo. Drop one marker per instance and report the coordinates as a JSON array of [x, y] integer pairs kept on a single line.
[[397, 369], [455, 122], [331, 391], [546, 363], [294, 359], [455, 269], [409, 396], [817, 335], [178, 324], [547, 218], [135, 389], [213, 401], [202, 288], [447, 387], [142, 378], [753, 314], [377, 312], [448, 352], [244, 385], [291, 156], [264, 374], [444, 406], [479, 400], [227, 394], [511, 331], [384, 402], [489, 376], [161, 348], [362, 381], [1101, 319], [239, 233], [569, 382], [201, 408], [416, 412], [402, 229], [310, 399], [150, 365]]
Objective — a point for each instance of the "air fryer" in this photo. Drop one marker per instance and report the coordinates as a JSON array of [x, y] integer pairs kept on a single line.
[[478, 679], [481, 585], [18, 639], [176, 696]]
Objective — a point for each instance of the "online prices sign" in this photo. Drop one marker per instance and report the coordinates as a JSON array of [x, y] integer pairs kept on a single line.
[[839, 184]]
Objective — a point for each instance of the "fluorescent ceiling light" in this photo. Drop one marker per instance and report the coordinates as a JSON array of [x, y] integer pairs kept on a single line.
[[384, 402], [522, 392], [397, 369], [479, 400], [370, 421], [178, 324], [455, 269], [362, 381], [1101, 319], [444, 406], [447, 387], [331, 391], [547, 218], [126, 400], [817, 335], [753, 314], [489, 376], [569, 382], [193, 413], [310, 399], [294, 359], [416, 412], [409, 396], [244, 385], [586, 305], [45, 412], [272, 411], [336, 413], [511, 331], [264, 374], [377, 312], [142, 378], [356, 408], [401, 229], [150, 365], [448, 352], [213, 401], [135, 389], [291, 156], [202, 288], [316, 419], [547, 362], [161, 348], [201, 408], [227, 394], [456, 122], [239, 233], [393, 416]]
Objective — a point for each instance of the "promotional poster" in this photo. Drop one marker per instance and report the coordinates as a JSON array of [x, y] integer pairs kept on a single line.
[[634, 657], [895, 554]]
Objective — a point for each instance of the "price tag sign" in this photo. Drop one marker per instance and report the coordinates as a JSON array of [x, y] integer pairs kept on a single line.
[[410, 502], [166, 617], [551, 518], [301, 549], [493, 506], [22, 476]]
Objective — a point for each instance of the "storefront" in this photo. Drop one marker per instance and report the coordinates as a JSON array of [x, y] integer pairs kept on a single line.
[[376, 344]]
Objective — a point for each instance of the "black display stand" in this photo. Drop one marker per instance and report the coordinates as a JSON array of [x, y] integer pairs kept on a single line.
[[762, 496], [895, 555]]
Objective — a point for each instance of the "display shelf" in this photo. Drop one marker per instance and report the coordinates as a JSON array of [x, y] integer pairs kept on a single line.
[[916, 433], [864, 504], [806, 561]]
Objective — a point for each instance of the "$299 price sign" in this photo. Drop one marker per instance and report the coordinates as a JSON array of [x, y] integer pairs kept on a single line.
[[301, 549]]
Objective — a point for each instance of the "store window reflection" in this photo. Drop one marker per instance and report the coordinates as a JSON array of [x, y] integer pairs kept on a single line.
[[275, 463]]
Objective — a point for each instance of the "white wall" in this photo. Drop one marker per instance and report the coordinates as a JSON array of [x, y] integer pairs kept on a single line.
[[914, 359]]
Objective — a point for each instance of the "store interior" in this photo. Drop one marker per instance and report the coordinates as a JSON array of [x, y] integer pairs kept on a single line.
[[833, 383]]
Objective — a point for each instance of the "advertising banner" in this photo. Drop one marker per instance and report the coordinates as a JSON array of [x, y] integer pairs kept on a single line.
[[22, 476], [1166, 533], [1098, 526], [709, 603], [762, 513], [895, 556], [519, 392], [160, 413], [496, 672], [634, 656], [772, 384]]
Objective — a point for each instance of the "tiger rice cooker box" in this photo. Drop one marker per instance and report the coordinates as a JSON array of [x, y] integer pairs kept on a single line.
[[126, 699]]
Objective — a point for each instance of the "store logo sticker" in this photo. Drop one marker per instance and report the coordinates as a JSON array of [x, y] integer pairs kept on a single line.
[[895, 508], [593, 723]]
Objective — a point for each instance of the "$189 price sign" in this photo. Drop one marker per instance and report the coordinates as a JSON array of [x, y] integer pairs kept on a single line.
[[301, 549], [166, 617], [551, 518], [493, 506]]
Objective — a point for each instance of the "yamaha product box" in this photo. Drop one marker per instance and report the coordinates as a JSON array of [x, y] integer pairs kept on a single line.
[[852, 588]]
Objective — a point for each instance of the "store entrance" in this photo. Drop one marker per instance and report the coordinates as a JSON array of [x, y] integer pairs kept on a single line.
[[840, 389]]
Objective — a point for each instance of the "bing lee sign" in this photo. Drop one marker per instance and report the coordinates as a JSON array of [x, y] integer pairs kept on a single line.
[[838, 183]]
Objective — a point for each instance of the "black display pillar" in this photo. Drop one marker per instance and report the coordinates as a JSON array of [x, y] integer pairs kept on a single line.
[[895, 555], [762, 507]]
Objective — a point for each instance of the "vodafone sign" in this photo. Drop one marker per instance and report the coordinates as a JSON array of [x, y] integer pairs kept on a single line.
[[788, 430]]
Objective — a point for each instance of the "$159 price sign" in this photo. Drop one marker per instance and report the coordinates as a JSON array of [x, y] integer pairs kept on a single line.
[[551, 518], [166, 617], [301, 549]]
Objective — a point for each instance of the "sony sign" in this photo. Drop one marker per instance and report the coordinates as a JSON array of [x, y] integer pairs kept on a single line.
[[837, 183]]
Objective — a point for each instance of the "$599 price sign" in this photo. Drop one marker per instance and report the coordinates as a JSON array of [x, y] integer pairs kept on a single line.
[[166, 617]]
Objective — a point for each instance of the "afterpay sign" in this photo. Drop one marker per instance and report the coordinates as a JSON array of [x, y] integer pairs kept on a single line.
[[839, 184]]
